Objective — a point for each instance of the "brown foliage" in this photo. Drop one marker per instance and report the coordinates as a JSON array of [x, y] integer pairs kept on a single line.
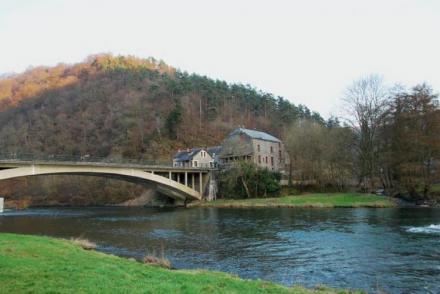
[[119, 107]]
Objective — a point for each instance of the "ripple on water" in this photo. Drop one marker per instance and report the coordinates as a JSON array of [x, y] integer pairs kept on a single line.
[[43, 213], [165, 234], [126, 218], [431, 229]]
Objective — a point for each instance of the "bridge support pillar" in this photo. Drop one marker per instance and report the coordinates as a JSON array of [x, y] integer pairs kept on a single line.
[[186, 178], [170, 176], [192, 179], [201, 184]]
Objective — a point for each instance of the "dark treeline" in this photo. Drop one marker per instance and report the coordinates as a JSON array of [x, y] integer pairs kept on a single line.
[[125, 107], [390, 140]]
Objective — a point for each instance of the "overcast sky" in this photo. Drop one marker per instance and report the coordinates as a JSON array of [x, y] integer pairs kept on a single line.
[[307, 51]]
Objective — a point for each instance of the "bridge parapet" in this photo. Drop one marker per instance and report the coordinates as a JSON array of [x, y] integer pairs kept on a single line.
[[31, 157]]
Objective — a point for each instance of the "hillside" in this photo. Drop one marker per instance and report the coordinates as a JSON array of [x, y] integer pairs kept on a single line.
[[125, 107]]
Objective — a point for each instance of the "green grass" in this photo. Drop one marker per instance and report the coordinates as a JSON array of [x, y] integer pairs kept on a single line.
[[310, 200], [436, 188], [31, 264]]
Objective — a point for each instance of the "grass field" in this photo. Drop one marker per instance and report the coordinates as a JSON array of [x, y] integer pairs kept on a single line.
[[310, 200], [31, 264]]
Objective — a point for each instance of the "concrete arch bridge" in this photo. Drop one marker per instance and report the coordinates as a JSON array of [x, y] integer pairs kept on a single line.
[[185, 184]]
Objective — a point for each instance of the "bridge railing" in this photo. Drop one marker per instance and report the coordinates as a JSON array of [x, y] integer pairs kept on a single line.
[[12, 156]]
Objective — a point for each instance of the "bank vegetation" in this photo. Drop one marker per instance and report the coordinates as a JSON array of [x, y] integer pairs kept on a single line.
[[31, 264]]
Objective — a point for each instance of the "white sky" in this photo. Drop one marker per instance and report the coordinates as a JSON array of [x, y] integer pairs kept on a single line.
[[307, 51]]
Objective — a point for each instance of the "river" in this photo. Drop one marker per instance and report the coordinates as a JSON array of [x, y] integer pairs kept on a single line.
[[397, 250]]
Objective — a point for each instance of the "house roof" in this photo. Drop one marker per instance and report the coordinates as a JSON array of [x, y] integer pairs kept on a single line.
[[255, 134], [214, 151], [187, 154]]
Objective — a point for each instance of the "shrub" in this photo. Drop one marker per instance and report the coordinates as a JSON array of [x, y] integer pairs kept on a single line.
[[246, 180]]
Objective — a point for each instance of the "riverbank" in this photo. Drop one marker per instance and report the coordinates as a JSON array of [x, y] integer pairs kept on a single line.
[[318, 200], [34, 264]]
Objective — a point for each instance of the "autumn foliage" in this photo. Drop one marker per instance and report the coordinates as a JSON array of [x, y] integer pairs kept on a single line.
[[124, 107]]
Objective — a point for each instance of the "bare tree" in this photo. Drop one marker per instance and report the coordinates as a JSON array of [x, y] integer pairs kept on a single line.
[[365, 104], [320, 155]]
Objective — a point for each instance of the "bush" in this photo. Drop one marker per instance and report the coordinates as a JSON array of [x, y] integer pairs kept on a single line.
[[246, 180]]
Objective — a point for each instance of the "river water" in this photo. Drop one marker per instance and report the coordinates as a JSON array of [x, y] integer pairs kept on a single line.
[[396, 250]]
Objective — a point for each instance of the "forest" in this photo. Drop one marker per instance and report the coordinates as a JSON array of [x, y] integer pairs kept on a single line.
[[123, 107], [127, 108], [389, 141]]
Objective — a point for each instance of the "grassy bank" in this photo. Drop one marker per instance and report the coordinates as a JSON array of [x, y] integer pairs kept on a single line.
[[34, 264], [310, 200]]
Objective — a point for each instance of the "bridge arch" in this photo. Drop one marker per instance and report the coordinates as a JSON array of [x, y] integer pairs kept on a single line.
[[164, 185]]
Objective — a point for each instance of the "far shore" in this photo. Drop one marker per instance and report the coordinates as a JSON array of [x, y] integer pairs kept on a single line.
[[316, 200]]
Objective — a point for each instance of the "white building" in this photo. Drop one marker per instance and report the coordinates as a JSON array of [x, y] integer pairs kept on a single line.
[[196, 157]]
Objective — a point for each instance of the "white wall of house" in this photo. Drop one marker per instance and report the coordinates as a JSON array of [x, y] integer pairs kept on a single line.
[[202, 159]]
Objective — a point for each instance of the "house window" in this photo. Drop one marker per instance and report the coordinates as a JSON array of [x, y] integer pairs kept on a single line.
[[258, 147], [271, 161], [259, 158], [271, 149], [195, 163], [266, 160]]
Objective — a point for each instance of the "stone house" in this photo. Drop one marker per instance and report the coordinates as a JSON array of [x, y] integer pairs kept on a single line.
[[263, 149]]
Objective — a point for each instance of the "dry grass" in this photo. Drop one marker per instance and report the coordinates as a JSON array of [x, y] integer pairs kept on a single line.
[[161, 260], [83, 243]]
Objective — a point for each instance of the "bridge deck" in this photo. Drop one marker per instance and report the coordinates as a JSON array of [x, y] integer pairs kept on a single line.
[[176, 182], [158, 168]]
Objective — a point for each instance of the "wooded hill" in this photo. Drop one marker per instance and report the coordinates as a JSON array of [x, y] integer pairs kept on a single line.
[[126, 107], [129, 107]]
